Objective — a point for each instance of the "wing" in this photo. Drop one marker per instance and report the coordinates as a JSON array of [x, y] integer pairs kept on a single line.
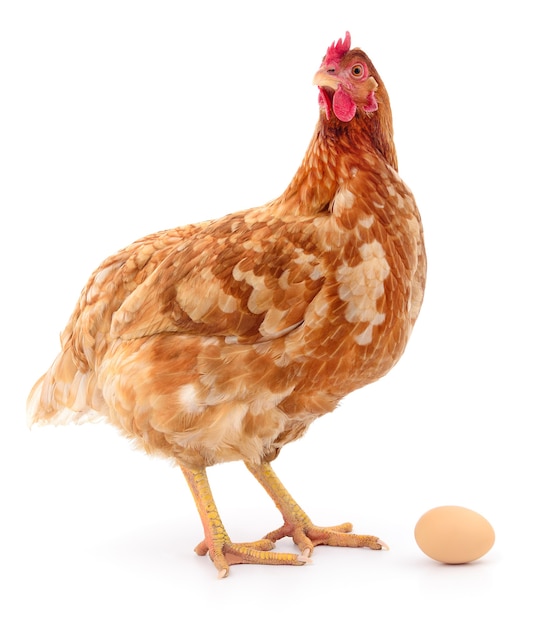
[[248, 277]]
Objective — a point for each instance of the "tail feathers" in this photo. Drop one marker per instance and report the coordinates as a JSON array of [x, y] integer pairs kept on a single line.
[[62, 395]]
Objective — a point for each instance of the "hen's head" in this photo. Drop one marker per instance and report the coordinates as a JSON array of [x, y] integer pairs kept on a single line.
[[347, 81], [351, 93]]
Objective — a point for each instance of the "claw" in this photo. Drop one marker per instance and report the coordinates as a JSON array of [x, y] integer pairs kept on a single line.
[[304, 557]]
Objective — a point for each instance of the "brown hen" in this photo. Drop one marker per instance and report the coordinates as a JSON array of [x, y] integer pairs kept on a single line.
[[224, 340]]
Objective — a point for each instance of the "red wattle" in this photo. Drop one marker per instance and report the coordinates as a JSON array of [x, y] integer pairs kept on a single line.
[[344, 107]]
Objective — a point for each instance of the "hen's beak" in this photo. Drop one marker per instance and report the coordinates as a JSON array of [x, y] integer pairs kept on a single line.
[[325, 77]]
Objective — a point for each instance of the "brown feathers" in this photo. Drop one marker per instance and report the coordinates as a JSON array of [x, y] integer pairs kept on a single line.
[[224, 340]]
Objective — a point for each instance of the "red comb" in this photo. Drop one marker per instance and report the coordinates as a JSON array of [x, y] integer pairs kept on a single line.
[[338, 49]]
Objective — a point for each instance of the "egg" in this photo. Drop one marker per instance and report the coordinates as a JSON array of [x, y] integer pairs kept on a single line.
[[454, 534]]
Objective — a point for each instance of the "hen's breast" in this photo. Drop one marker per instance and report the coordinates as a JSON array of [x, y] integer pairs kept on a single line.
[[358, 325]]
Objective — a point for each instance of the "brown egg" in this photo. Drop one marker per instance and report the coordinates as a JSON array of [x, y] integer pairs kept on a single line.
[[454, 534]]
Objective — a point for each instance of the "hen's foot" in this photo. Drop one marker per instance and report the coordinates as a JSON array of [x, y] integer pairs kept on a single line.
[[217, 543], [223, 552], [297, 524], [307, 535]]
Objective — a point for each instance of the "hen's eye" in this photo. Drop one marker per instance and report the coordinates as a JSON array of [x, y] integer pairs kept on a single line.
[[357, 70]]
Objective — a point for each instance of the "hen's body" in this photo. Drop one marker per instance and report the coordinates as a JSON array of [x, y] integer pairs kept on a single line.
[[224, 340]]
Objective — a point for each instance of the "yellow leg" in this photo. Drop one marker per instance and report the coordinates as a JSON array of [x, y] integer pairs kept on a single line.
[[217, 543], [298, 525]]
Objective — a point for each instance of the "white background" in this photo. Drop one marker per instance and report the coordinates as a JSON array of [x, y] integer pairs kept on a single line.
[[123, 118]]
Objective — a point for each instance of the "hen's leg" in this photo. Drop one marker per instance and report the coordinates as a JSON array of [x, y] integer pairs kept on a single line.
[[298, 525], [217, 543]]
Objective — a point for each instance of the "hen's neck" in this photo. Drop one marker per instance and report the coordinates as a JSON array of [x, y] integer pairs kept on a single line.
[[336, 151]]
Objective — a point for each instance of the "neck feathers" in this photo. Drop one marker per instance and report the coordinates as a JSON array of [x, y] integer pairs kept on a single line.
[[338, 150]]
